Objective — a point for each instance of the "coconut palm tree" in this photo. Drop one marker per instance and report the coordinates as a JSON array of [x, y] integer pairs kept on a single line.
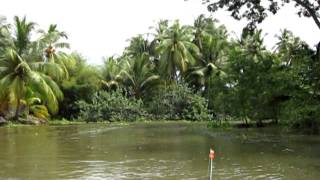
[[289, 48], [50, 40], [22, 34], [111, 79], [46, 47], [33, 105], [213, 56], [176, 51], [22, 67], [16, 77], [138, 75], [138, 45], [200, 25], [160, 29], [206, 26]]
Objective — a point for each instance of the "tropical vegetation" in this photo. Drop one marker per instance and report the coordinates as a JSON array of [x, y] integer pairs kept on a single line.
[[190, 72]]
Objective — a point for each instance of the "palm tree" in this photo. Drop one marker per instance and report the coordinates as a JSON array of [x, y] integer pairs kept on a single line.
[[198, 76], [50, 40], [138, 75], [160, 29], [21, 39], [176, 51], [34, 105], [111, 73], [138, 46], [204, 27], [214, 46], [32, 51], [16, 77], [47, 46], [200, 25], [290, 48], [22, 67]]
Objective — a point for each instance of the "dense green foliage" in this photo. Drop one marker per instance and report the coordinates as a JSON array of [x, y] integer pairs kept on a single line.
[[184, 72], [84, 81], [176, 102], [115, 106]]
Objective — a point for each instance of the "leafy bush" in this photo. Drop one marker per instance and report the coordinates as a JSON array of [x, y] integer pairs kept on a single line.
[[302, 115], [175, 102], [178, 102], [115, 106], [82, 84]]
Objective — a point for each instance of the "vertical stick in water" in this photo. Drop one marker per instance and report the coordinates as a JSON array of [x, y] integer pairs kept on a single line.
[[210, 177], [209, 167], [211, 157]]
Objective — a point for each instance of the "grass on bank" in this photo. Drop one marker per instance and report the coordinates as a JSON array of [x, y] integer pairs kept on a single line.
[[211, 124]]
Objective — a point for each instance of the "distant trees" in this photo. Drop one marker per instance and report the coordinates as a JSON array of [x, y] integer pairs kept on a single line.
[[238, 78], [178, 72]]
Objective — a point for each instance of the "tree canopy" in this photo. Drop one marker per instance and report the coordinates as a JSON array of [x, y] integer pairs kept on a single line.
[[255, 11]]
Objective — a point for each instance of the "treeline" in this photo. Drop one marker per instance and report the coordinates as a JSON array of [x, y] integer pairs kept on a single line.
[[176, 72]]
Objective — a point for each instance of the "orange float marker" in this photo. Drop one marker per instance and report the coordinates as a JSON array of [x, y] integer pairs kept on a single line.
[[211, 154]]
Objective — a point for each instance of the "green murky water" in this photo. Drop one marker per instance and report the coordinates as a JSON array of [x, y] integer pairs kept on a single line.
[[155, 151]]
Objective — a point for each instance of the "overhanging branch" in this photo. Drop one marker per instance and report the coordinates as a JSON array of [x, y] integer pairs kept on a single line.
[[311, 11]]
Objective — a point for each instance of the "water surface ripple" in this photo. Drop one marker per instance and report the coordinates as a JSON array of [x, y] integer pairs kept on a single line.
[[155, 151]]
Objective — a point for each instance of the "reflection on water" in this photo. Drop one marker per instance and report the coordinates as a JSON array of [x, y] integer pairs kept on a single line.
[[155, 151]]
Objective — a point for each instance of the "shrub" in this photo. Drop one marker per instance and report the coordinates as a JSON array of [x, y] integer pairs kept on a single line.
[[302, 115], [115, 106], [175, 102], [178, 102]]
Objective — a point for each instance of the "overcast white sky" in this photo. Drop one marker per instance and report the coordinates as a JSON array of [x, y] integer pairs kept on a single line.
[[99, 28]]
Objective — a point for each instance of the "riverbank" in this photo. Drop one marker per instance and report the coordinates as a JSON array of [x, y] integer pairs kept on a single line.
[[212, 124], [209, 124], [64, 122]]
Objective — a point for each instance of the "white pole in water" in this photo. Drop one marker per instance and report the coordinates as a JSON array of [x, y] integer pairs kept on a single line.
[[210, 170], [211, 156]]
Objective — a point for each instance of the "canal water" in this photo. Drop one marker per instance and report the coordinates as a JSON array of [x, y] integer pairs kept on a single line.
[[155, 151]]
